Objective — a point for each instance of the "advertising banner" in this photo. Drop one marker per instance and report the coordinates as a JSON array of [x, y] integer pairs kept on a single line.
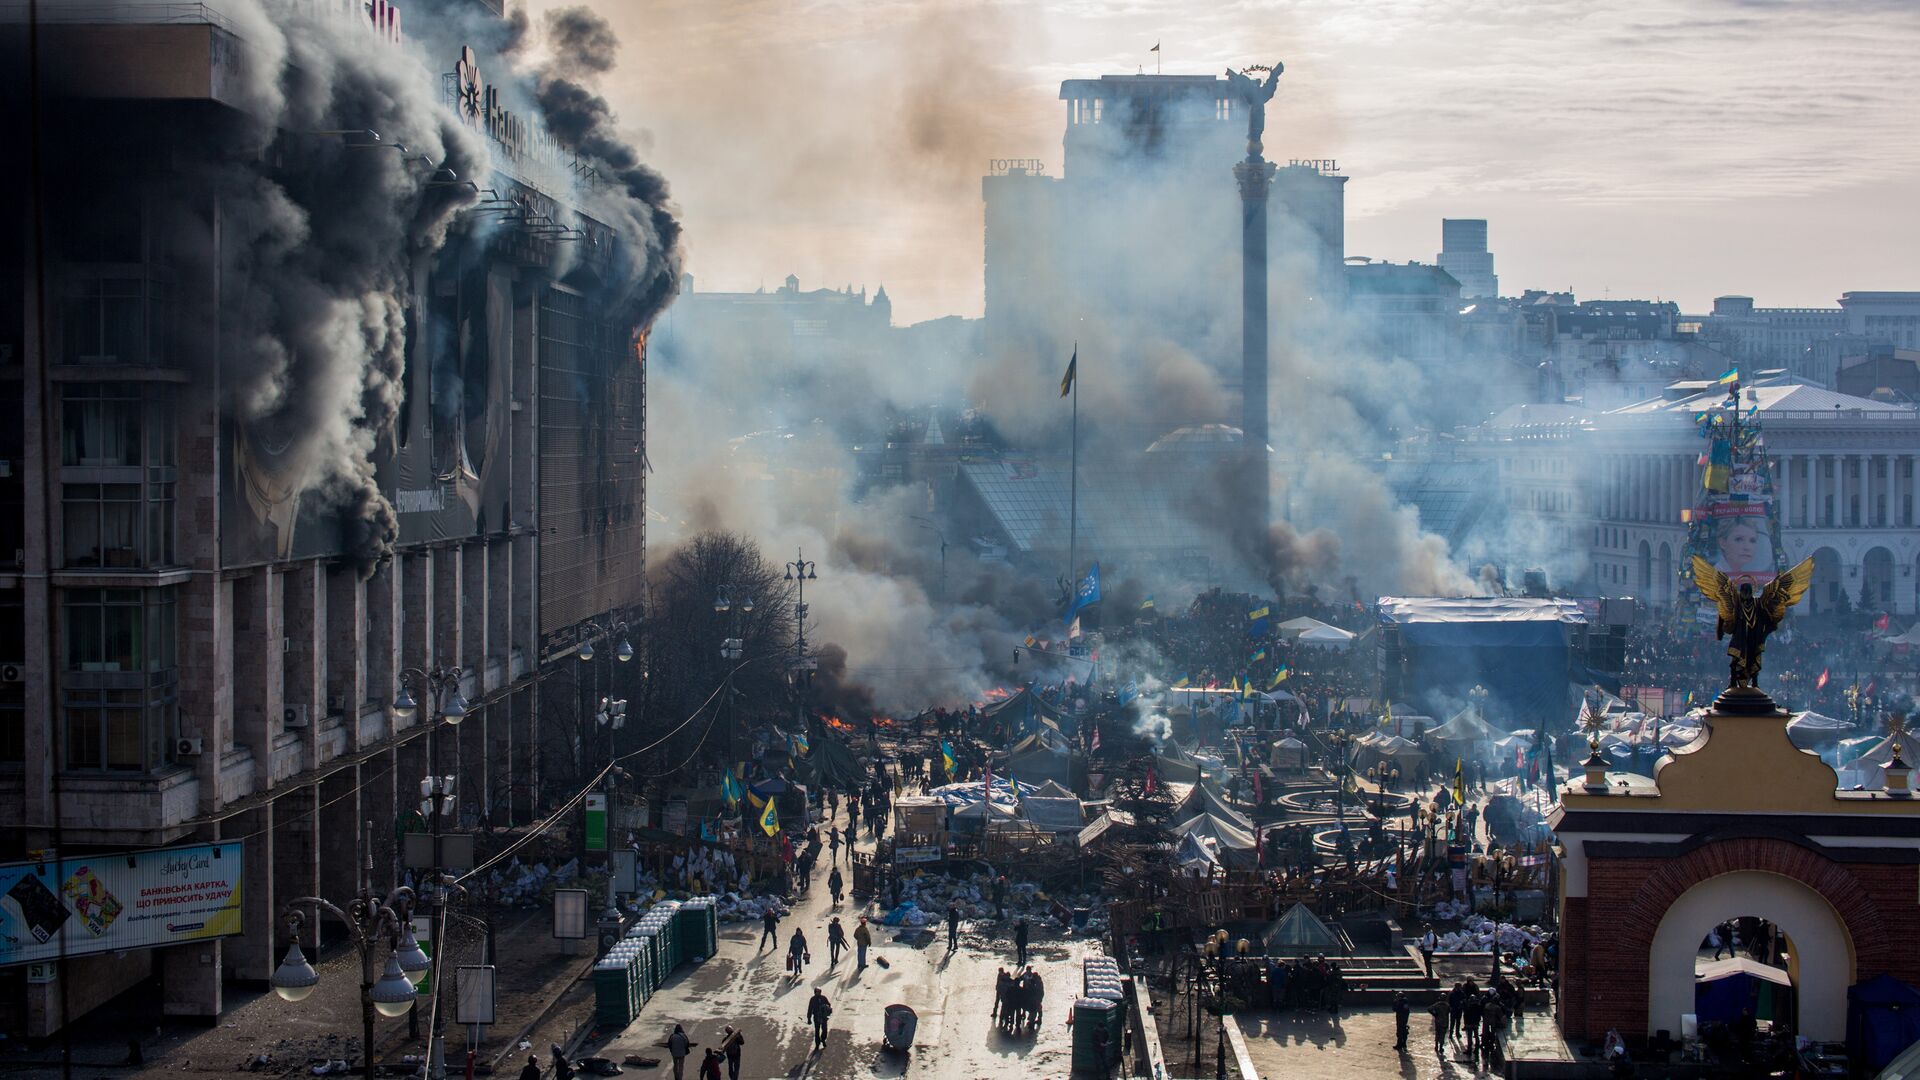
[[108, 903]]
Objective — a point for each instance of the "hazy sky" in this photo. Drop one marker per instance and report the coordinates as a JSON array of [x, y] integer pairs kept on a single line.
[[1671, 148]]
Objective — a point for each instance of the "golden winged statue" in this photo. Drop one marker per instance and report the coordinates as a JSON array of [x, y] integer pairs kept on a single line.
[[1745, 619]]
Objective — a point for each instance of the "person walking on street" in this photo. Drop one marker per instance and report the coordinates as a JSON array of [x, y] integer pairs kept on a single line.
[[836, 883], [678, 1047], [833, 844], [731, 1042], [796, 952], [836, 941], [561, 1070], [1020, 944], [1441, 1018], [1428, 944], [862, 938], [818, 1010], [768, 921], [710, 1065], [531, 1071], [953, 927], [1401, 1012]]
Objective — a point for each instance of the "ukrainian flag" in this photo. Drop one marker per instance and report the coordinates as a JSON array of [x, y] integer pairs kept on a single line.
[[730, 788], [1257, 657], [1732, 375], [1280, 676], [1147, 604], [1182, 682], [946, 757]]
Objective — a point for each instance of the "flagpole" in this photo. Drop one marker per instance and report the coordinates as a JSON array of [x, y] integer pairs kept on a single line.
[[1073, 483]]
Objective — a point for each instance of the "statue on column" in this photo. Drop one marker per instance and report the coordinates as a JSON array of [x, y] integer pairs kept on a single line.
[[1746, 619], [1254, 95]]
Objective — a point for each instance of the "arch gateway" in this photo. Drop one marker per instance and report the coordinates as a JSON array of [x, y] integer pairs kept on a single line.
[[1742, 823]]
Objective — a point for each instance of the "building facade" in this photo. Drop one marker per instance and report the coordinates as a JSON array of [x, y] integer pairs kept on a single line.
[[1613, 485], [1139, 231], [1464, 254], [200, 647]]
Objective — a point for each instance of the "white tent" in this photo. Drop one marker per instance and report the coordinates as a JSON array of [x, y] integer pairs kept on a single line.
[[1467, 727], [1193, 853], [1810, 728], [1297, 626], [1225, 835], [1911, 637], [1327, 636]]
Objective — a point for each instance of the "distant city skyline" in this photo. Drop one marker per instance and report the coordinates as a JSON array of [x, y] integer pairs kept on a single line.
[[1675, 149]]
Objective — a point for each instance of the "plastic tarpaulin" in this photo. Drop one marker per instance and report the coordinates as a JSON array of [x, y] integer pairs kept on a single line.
[[1518, 649], [1204, 800], [1724, 989], [1883, 1019]]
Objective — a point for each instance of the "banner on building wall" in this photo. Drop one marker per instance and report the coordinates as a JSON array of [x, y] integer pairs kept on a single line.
[[109, 903]]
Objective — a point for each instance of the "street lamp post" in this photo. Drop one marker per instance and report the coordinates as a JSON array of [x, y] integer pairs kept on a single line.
[[800, 570], [371, 921], [439, 689], [1502, 866], [927, 524]]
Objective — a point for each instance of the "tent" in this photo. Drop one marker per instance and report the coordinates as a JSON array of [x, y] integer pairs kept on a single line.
[[1300, 625], [1810, 729], [1289, 753], [1869, 769], [1467, 727], [1193, 853], [1041, 756], [1025, 710], [1204, 800], [1724, 989], [1300, 932], [1883, 1019], [1054, 814], [1225, 834], [1911, 637], [1327, 637]]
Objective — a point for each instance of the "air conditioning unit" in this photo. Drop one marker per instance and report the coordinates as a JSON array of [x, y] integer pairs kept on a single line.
[[293, 716], [189, 746], [11, 673]]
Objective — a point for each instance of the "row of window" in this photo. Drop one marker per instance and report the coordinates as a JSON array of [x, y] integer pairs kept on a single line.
[[120, 438]]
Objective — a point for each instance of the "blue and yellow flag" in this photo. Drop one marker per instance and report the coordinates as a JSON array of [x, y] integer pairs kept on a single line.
[[769, 821], [799, 744], [1459, 785], [1280, 676], [1147, 604], [1730, 376], [730, 788], [946, 757], [755, 801], [1257, 620], [1257, 657], [1182, 682]]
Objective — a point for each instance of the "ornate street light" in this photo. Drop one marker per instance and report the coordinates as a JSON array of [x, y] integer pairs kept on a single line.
[[370, 922]]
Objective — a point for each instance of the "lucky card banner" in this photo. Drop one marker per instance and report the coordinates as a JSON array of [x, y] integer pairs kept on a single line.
[[108, 903]]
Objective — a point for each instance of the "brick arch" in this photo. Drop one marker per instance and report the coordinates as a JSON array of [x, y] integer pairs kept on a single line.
[[1767, 854]]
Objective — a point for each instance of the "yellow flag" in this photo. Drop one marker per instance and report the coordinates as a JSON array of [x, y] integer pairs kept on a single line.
[[769, 821], [1459, 785]]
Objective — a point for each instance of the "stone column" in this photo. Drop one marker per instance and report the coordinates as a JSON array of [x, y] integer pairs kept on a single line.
[[259, 668], [1255, 177], [250, 955], [1813, 490]]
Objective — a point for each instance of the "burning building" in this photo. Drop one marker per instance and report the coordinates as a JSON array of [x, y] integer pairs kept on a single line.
[[322, 361]]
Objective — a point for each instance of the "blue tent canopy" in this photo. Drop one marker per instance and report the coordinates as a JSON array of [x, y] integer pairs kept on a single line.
[[1883, 1019]]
